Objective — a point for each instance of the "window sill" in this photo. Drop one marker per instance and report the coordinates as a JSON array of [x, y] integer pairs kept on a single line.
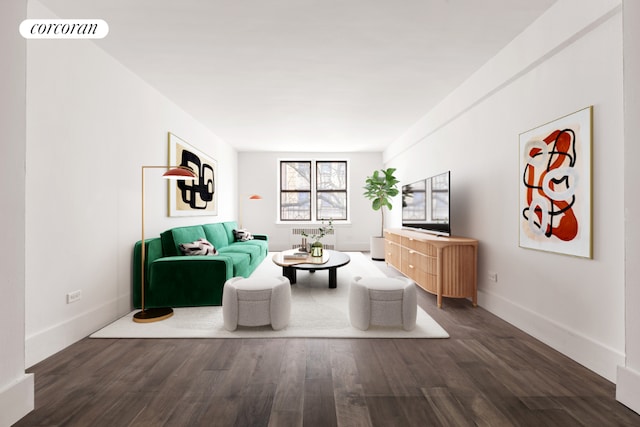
[[313, 223]]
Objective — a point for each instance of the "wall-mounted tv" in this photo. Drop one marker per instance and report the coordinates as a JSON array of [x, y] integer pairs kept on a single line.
[[425, 204]]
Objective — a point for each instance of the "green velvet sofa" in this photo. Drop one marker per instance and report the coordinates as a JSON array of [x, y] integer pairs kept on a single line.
[[176, 280]]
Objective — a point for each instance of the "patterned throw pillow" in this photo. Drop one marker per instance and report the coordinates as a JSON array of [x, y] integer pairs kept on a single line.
[[199, 247], [242, 235]]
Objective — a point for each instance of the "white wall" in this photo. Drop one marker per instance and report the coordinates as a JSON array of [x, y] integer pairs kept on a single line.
[[91, 125], [258, 174], [16, 387], [568, 59], [628, 385]]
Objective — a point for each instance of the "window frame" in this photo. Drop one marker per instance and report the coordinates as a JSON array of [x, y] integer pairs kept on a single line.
[[314, 191], [345, 191], [282, 191]]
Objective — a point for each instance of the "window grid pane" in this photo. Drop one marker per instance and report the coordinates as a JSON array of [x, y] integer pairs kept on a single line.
[[295, 176], [332, 205], [295, 206], [331, 176]]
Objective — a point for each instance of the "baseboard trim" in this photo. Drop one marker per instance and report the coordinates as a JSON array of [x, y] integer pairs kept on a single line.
[[628, 388], [593, 355], [17, 400], [45, 343]]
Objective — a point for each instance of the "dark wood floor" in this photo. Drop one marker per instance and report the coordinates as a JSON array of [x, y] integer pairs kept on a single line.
[[487, 374]]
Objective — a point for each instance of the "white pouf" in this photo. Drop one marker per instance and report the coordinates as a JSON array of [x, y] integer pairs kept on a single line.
[[383, 301], [256, 302]]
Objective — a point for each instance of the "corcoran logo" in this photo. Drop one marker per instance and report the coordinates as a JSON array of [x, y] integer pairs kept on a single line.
[[64, 29]]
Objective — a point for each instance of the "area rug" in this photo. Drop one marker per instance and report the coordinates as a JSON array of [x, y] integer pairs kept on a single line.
[[316, 311]]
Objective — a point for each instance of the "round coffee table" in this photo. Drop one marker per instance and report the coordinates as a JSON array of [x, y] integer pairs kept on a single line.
[[334, 260]]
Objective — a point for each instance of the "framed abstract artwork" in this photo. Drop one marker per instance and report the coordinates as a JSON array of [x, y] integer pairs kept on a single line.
[[192, 198], [555, 186]]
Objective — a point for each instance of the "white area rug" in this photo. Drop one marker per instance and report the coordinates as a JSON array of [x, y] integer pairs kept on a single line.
[[316, 311]]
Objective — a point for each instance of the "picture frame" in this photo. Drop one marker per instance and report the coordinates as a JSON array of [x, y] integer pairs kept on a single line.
[[192, 198], [555, 203]]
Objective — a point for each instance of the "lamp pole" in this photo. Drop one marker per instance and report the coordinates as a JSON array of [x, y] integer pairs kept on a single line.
[[146, 315], [251, 197]]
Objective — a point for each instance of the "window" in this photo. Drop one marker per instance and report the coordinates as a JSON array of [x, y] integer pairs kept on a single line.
[[295, 191], [331, 190], [313, 190]]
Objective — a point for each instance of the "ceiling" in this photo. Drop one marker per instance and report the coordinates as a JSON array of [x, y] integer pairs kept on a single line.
[[305, 75]]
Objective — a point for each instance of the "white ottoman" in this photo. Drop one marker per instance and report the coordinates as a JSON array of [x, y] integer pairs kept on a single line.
[[256, 302], [382, 301]]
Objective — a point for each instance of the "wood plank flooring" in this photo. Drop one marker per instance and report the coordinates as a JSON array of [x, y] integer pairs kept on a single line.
[[487, 374]]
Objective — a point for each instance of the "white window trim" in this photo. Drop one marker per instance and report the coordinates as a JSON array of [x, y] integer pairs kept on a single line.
[[314, 220]]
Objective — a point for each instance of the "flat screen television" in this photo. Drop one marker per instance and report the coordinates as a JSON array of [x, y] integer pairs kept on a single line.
[[425, 204]]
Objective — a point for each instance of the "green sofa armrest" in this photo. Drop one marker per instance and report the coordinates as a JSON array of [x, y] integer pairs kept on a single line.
[[183, 281]]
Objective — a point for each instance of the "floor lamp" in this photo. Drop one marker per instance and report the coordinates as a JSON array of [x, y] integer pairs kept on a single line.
[[146, 315], [252, 197]]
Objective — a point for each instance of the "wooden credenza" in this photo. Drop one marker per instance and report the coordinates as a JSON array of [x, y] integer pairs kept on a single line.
[[444, 266]]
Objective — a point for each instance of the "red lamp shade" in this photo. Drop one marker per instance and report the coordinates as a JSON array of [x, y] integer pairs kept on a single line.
[[180, 172]]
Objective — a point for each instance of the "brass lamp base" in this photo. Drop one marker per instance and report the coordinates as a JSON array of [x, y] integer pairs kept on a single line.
[[153, 315]]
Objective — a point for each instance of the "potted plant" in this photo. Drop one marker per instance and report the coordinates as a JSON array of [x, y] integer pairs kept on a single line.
[[316, 246], [380, 188]]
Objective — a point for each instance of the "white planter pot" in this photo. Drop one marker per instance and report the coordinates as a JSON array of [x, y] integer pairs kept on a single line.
[[377, 248]]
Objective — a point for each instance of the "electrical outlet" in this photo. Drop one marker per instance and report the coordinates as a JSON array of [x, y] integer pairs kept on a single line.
[[74, 296], [493, 276]]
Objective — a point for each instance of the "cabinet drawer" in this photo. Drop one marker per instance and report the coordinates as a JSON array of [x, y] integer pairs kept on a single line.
[[407, 270], [411, 261], [392, 237], [416, 259], [392, 253], [412, 271], [423, 270], [422, 246], [422, 262]]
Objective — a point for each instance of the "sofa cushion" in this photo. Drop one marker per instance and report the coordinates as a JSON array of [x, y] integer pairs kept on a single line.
[[254, 252], [241, 263], [171, 239], [216, 234], [263, 245], [229, 226]]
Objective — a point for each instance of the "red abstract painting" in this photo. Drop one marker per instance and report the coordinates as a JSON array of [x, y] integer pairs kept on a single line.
[[555, 201]]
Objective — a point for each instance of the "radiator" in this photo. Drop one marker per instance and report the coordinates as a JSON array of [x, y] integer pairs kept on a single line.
[[328, 241]]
